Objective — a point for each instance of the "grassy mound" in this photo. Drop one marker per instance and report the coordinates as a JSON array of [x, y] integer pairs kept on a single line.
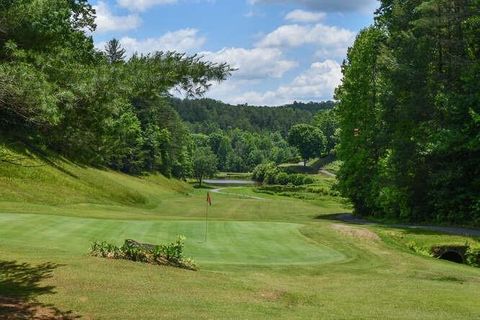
[[46, 179]]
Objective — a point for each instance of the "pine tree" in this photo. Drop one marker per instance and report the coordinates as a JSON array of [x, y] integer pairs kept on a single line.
[[114, 51]]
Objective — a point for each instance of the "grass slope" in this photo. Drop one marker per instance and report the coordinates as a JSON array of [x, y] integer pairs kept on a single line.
[[268, 258]]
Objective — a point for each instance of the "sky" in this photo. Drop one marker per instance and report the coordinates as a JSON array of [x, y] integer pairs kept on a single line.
[[283, 50]]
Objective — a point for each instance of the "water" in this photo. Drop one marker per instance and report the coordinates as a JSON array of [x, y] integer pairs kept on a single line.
[[225, 182]]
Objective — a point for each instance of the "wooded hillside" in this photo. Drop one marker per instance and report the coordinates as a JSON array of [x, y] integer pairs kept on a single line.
[[410, 113]]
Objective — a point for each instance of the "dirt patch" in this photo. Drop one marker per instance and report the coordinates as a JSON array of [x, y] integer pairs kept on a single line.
[[359, 233], [272, 295], [13, 309]]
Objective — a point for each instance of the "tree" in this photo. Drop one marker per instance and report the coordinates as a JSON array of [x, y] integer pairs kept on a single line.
[[358, 113], [114, 51], [204, 164], [59, 93], [327, 122], [309, 141], [409, 113]]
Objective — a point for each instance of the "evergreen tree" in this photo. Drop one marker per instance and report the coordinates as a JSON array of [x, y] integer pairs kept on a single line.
[[114, 51]]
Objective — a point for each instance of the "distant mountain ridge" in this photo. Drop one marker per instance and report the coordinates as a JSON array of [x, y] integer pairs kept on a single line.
[[207, 115]]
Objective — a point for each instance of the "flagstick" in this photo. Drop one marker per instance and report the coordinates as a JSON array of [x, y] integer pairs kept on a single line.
[[206, 222]]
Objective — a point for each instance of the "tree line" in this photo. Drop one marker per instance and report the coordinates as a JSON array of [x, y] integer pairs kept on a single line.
[[409, 113], [58, 92], [207, 115], [238, 150]]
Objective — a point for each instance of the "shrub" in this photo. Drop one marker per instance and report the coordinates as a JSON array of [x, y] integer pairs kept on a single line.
[[282, 178], [473, 257], [105, 250], [308, 180], [297, 179], [258, 173], [170, 254], [269, 173], [270, 176]]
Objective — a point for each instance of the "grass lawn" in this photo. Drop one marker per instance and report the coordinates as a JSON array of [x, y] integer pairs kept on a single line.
[[265, 258]]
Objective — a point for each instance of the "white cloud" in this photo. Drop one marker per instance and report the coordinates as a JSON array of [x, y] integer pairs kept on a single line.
[[106, 21], [142, 5], [256, 63], [295, 35], [326, 5], [316, 83], [305, 16], [184, 40]]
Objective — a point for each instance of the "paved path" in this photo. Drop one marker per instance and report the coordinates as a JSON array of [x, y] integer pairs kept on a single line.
[[219, 190], [450, 230]]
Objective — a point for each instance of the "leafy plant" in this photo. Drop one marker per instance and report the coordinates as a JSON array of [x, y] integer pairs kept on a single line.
[[169, 254]]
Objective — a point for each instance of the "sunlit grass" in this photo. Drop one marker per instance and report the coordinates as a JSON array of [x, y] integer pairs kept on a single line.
[[268, 258]]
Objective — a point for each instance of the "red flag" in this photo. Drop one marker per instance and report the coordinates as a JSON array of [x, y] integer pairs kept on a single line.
[[209, 200]]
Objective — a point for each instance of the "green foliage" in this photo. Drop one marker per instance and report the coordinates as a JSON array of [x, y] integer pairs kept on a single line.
[[263, 171], [407, 109], [282, 178], [204, 164], [98, 108], [309, 141], [166, 254], [327, 122], [472, 257], [306, 187], [114, 51], [358, 113], [270, 174], [242, 151], [208, 116], [334, 166]]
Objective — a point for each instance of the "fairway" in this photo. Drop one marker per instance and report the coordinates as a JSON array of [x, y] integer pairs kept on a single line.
[[268, 258], [229, 242]]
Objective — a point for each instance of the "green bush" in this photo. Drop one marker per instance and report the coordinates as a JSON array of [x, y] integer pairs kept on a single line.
[[269, 173], [260, 171], [170, 254], [473, 257], [297, 179], [282, 178], [271, 176], [308, 180]]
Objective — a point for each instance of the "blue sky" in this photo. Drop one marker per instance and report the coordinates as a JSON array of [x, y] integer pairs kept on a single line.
[[285, 50]]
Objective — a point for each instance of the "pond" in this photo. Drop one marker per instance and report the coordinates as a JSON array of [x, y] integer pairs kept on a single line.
[[231, 182]]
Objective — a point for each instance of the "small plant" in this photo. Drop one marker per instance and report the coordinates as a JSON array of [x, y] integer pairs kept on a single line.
[[170, 254], [472, 257], [174, 250], [105, 250], [419, 249]]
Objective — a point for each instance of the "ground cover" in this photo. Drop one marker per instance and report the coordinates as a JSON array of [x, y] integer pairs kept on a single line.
[[272, 257]]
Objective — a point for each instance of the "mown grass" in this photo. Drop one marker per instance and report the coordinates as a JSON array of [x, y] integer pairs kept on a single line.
[[265, 258]]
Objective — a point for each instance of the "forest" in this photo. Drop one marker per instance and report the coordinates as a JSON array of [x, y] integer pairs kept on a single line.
[[406, 117], [103, 108], [59, 93], [243, 137], [409, 113], [207, 115], [128, 192]]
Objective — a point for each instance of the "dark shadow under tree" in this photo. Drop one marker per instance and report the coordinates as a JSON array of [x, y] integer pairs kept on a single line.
[[20, 287]]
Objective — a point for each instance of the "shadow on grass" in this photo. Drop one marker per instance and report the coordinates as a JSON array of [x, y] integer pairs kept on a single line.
[[342, 217], [21, 285], [415, 229]]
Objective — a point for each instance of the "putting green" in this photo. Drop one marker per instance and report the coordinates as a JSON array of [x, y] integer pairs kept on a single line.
[[229, 242]]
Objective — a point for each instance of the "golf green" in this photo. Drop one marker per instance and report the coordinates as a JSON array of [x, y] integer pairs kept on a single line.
[[229, 242]]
